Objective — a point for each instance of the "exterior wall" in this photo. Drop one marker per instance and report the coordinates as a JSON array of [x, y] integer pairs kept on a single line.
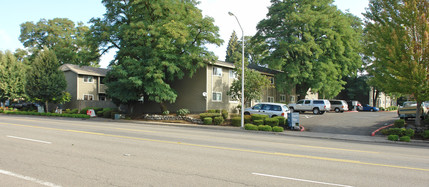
[[220, 84], [71, 79], [87, 88], [383, 100]]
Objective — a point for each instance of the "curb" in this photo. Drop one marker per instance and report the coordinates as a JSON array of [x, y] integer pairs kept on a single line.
[[373, 133]]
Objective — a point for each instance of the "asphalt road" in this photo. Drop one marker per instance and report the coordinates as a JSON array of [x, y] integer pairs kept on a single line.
[[353, 123], [37, 151]]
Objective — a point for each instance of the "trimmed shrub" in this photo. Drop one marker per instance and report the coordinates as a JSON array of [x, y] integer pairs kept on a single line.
[[224, 114], [425, 134], [235, 115], [166, 112], [404, 139], [258, 122], [278, 129], [212, 115], [47, 114], [84, 110], [74, 111], [385, 131], [247, 118], [264, 128], [236, 121], [218, 120], [399, 123], [281, 119], [208, 121], [397, 131], [182, 112], [409, 132], [258, 117], [250, 127], [212, 111], [107, 113], [217, 110], [393, 137], [271, 122]]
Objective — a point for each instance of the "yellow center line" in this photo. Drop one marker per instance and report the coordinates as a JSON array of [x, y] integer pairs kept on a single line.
[[338, 149], [227, 148]]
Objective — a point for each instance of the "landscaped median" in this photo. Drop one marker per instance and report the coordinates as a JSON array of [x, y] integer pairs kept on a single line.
[[399, 132], [44, 114]]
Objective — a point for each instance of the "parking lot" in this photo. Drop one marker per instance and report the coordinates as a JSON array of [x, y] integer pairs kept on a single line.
[[353, 123]]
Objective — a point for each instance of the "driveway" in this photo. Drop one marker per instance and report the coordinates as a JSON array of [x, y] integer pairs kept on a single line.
[[353, 123]]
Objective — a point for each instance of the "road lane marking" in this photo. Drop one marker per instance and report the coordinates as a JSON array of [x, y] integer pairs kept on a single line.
[[338, 149], [31, 179], [28, 139], [228, 148], [301, 180]]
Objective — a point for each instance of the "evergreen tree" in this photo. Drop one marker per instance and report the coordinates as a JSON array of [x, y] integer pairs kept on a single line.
[[313, 43], [158, 42], [397, 37], [12, 77], [46, 83], [233, 52]]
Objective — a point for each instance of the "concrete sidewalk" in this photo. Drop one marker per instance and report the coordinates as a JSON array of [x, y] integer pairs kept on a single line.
[[306, 134]]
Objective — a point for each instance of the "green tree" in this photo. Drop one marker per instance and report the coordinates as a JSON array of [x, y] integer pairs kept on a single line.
[[46, 83], [313, 43], [67, 40], [397, 36], [233, 50], [158, 42], [12, 77]]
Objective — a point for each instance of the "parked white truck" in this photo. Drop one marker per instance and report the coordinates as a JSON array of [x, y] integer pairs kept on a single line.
[[319, 106]]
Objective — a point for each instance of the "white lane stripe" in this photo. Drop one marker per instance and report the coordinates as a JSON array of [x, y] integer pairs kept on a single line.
[[28, 178], [33, 140], [302, 180]]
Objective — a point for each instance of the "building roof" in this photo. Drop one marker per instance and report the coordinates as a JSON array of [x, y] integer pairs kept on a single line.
[[250, 66], [84, 70]]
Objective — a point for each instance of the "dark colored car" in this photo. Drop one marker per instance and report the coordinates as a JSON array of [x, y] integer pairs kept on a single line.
[[370, 108]]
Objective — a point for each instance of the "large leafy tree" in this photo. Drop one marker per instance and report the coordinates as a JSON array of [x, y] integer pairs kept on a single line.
[[12, 77], [158, 42], [397, 32], [67, 40], [46, 83], [313, 43]]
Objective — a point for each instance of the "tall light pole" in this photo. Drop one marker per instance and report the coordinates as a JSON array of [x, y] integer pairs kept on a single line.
[[242, 71]]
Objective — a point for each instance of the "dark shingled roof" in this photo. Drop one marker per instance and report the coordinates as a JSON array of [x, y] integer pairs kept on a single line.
[[84, 70], [250, 66]]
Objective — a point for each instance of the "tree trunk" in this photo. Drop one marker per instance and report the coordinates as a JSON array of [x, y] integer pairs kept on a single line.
[[46, 106], [375, 94], [418, 114], [163, 107]]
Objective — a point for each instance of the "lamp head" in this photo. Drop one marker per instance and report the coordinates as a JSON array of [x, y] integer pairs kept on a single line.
[[230, 13]]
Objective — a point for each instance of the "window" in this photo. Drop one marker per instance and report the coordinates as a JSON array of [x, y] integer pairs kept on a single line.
[[217, 96], [102, 80], [307, 102], [270, 99], [88, 79], [272, 80], [300, 102], [292, 99], [88, 97], [217, 71], [232, 74], [102, 97], [282, 98], [257, 107]]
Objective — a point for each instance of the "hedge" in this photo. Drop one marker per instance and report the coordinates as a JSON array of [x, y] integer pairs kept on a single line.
[[236, 121], [224, 114], [404, 139], [278, 129], [281, 119], [212, 111], [182, 112], [258, 122], [247, 119], [218, 120], [425, 134], [265, 128], [393, 137], [258, 117], [212, 115], [208, 121], [272, 122], [409, 132], [250, 127], [399, 123]]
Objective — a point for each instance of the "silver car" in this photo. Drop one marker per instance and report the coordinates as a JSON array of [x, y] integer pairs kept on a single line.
[[339, 105], [270, 109]]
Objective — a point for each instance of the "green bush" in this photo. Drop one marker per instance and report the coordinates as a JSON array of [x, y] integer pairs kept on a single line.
[[278, 129], [391, 108], [224, 114], [393, 137], [218, 120], [47, 114], [409, 132], [397, 131], [217, 110], [399, 123], [385, 131], [404, 139], [236, 121], [250, 127], [425, 134], [97, 109], [281, 119], [212, 111], [212, 115], [208, 121], [382, 109], [84, 110], [265, 128], [182, 112], [74, 111], [107, 113], [258, 122], [247, 119], [166, 112], [271, 122], [258, 117]]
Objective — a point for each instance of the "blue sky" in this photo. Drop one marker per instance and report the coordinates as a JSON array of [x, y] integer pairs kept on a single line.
[[249, 13]]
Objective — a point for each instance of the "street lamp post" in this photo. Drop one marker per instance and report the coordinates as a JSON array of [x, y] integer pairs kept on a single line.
[[242, 71]]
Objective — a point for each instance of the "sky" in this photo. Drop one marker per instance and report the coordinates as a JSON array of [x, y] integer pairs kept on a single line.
[[249, 13]]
